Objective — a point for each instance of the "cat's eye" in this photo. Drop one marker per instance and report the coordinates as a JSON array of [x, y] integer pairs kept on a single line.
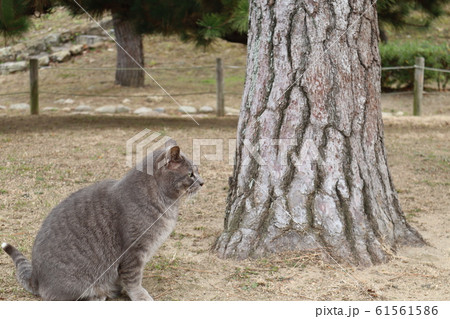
[[192, 175]]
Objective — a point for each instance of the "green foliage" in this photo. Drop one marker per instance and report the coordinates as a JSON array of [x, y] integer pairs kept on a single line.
[[14, 15], [230, 16], [153, 16], [13, 20], [239, 17], [212, 26], [165, 16], [404, 54], [396, 13]]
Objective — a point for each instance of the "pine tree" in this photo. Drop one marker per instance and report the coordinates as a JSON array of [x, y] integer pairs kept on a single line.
[[13, 20], [310, 169], [15, 15]]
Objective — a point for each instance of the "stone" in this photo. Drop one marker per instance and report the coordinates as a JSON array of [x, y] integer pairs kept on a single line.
[[83, 108], [95, 30], [68, 101], [89, 39], [66, 109], [113, 109], [122, 109], [66, 36], [143, 110], [106, 109], [154, 99], [98, 45], [53, 39], [107, 23], [399, 113], [60, 56], [386, 114], [231, 111], [206, 109], [50, 109], [187, 109], [37, 48], [22, 56], [2, 108], [7, 54], [160, 110], [12, 67], [126, 101], [76, 49], [20, 107], [43, 59]]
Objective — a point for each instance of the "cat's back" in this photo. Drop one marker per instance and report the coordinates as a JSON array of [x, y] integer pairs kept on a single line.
[[78, 224]]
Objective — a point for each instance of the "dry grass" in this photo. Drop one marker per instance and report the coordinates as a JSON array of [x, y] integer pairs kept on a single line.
[[44, 159]]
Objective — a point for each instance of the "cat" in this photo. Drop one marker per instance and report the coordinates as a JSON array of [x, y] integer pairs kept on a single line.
[[96, 242]]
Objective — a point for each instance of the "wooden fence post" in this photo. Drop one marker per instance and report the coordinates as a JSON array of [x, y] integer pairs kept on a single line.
[[34, 86], [418, 85], [220, 88]]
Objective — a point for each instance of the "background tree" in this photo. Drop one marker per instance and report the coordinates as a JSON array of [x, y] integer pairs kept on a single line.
[[133, 19], [318, 88]]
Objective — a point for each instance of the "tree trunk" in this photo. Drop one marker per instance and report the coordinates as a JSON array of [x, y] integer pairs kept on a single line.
[[326, 185], [130, 45]]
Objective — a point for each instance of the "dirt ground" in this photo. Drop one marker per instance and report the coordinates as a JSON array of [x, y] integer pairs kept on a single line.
[[43, 159]]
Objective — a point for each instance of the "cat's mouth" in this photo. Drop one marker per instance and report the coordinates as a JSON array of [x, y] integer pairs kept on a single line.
[[193, 190]]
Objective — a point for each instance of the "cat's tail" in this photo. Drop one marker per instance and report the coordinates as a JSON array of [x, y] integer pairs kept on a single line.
[[23, 267]]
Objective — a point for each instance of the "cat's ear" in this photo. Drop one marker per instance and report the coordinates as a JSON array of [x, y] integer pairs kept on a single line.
[[174, 154], [173, 157]]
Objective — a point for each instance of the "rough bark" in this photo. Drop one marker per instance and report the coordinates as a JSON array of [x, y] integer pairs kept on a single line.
[[336, 192], [131, 42]]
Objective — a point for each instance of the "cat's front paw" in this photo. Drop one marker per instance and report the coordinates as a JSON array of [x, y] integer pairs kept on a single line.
[[140, 294]]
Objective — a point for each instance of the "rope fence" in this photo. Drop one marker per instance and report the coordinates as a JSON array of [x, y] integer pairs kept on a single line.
[[398, 68], [419, 68], [14, 93], [122, 96]]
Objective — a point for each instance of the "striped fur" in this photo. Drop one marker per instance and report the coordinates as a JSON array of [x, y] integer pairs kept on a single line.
[[23, 267]]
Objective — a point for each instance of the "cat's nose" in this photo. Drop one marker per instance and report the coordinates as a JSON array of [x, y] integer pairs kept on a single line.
[[201, 182]]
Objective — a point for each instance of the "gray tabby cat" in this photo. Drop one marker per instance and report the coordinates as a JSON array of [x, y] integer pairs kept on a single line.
[[97, 241]]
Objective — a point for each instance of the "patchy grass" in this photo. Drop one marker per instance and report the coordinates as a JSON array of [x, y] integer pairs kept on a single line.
[[44, 159]]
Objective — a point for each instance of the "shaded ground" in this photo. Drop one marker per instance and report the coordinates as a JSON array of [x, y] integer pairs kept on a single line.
[[44, 159]]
